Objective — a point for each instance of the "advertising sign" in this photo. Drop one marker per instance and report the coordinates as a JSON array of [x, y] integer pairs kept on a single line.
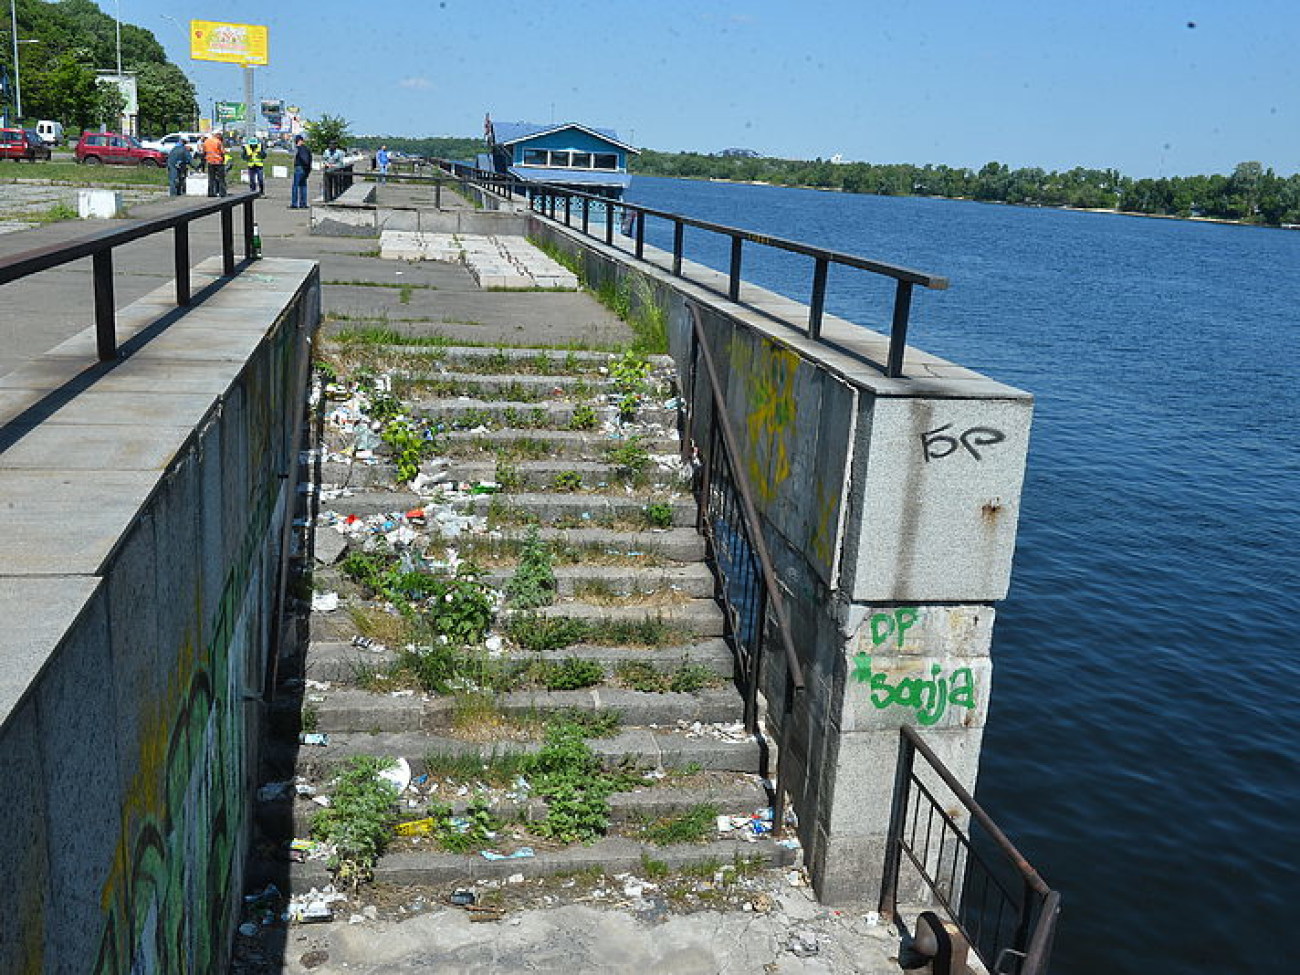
[[231, 43]]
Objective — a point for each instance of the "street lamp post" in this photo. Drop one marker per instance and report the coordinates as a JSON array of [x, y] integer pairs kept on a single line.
[[18, 87]]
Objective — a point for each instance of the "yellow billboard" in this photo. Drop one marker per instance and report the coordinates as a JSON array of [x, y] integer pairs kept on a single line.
[[232, 43]]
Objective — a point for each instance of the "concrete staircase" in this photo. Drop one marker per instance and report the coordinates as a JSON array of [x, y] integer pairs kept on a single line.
[[521, 452]]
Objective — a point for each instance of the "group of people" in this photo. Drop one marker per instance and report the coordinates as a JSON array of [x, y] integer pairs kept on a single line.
[[213, 157]]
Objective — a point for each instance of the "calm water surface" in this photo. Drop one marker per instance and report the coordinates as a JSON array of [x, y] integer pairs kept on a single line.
[[1142, 742]]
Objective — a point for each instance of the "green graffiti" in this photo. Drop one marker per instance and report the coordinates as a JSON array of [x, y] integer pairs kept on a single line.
[[929, 696], [895, 624]]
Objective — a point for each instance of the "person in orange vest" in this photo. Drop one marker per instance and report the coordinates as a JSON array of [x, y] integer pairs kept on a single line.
[[214, 155]]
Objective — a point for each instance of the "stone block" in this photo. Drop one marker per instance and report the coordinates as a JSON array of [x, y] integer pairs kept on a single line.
[[99, 204], [23, 841]]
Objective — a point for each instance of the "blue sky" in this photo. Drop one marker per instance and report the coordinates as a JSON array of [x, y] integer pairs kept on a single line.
[[1025, 82]]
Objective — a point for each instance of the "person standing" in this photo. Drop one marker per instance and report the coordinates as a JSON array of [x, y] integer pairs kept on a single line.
[[301, 170], [179, 160], [382, 158], [214, 155], [255, 159]]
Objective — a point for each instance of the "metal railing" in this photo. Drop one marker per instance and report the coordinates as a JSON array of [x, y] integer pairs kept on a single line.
[[729, 521], [1004, 909], [546, 198], [98, 245]]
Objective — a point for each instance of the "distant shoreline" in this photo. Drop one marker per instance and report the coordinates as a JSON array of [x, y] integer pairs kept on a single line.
[[967, 199]]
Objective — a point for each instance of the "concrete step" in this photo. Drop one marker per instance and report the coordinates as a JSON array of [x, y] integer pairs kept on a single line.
[[556, 444], [351, 710], [675, 544], [691, 581], [339, 661], [701, 617], [734, 795], [576, 510], [711, 748], [503, 359], [594, 477], [466, 411], [613, 855]]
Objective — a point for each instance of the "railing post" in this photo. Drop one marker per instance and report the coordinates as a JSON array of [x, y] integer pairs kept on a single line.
[[105, 317], [897, 816], [181, 262], [818, 300], [679, 231], [609, 222], [586, 215], [568, 208], [227, 242], [248, 229], [733, 288], [898, 330], [437, 194], [640, 235]]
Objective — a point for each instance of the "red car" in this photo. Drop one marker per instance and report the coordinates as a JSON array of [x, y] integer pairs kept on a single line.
[[18, 144], [95, 148]]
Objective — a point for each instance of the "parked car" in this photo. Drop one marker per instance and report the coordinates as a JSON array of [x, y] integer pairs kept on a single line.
[[113, 149], [18, 144], [191, 139]]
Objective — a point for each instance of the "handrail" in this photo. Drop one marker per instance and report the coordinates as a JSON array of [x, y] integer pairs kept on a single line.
[[773, 591], [735, 582], [98, 245], [545, 194], [1039, 905]]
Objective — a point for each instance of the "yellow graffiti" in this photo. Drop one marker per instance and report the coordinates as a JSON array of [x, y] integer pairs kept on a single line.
[[826, 529], [768, 374]]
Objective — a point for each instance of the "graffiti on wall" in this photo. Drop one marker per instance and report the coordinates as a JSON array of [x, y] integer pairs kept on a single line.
[[929, 696], [167, 900], [769, 380], [939, 443]]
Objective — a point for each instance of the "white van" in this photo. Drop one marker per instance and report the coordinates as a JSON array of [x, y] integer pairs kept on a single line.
[[51, 133]]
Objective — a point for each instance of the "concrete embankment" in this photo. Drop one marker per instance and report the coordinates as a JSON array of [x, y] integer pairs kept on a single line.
[[144, 502]]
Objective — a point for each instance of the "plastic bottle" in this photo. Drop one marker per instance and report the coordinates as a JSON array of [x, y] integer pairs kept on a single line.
[[257, 242]]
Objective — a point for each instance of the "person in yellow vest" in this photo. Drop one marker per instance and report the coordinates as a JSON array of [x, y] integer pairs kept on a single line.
[[214, 155], [255, 160]]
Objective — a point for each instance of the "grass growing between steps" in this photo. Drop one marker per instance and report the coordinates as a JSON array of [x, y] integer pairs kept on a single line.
[[543, 634], [630, 297], [696, 825]]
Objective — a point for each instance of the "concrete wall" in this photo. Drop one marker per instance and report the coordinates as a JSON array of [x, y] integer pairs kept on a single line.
[[145, 500], [341, 219], [890, 509]]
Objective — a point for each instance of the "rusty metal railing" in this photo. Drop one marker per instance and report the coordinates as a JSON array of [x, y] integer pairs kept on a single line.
[[729, 521], [98, 245], [1005, 911]]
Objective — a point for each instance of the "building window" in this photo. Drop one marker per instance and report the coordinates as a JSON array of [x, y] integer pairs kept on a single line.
[[570, 159]]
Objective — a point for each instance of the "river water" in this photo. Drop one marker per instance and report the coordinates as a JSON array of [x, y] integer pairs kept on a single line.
[[1142, 741]]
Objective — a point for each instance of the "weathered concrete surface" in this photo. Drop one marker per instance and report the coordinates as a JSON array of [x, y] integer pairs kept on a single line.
[[797, 938], [143, 500]]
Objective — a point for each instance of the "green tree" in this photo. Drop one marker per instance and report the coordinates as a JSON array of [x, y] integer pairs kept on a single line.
[[326, 131], [167, 100]]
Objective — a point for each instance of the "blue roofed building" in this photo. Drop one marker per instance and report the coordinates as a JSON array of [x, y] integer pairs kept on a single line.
[[566, 154]]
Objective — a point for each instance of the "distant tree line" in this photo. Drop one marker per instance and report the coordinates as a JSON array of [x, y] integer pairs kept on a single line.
[[446, 147], [74, 38], [1251, 194]]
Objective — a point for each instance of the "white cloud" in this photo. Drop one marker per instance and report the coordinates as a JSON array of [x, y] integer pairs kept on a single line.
[[417, 84]]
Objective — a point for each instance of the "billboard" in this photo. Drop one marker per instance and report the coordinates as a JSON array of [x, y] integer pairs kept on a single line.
[[231, 43]]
